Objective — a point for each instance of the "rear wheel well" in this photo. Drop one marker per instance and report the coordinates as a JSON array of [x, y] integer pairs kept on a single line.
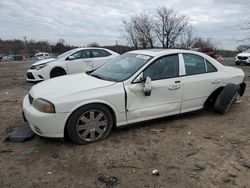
[[212, 98], [107, 106]]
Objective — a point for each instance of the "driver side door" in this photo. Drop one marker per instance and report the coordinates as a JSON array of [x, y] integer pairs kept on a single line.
[[82, 61], [166, 94]]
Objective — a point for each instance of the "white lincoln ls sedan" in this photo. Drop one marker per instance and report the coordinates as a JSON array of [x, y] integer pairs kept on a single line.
[[73, 61], [136, 86]]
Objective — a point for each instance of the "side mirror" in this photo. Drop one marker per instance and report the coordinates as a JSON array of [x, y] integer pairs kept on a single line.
[[139, 78], [147, 87], [70, 57]]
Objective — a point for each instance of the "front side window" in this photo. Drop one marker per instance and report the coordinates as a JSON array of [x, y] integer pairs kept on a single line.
[[194, 64], [162, 68], [82, 54], [100, 53]]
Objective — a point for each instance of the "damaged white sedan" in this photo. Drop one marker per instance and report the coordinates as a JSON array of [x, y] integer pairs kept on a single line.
[[136, 86]]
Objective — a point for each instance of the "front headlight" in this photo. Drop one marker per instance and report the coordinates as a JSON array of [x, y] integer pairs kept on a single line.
[[38, 67], [44, 105]]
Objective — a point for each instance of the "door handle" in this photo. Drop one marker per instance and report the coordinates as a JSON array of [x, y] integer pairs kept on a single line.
[[215, 81], [88, 61], [174, 87]]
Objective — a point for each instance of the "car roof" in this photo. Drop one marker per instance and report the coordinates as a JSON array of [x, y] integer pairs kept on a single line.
[[159, 52]]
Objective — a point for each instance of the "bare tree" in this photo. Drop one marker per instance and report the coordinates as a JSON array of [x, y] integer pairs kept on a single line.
[[93, 44], [169, 26], [199, 42], [144, 30], [128, 32], [186, 40], [138, 31]]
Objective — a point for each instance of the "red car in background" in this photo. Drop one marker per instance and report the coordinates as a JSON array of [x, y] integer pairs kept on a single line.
[[208, 51]]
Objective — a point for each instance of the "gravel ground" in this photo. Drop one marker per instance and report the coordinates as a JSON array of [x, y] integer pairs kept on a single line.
[[199, 149]]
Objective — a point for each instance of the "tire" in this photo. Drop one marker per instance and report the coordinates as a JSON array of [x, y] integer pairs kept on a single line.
[[55, 72], [90, 123], [226, 98], [237, 63]]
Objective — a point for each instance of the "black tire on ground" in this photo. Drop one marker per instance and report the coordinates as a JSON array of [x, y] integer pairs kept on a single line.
[[55, 72], [81, 124], [237, 63], [226, 98]]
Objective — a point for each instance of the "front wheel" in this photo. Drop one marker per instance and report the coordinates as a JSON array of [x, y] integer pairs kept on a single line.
[[57, 72], [90, 123]]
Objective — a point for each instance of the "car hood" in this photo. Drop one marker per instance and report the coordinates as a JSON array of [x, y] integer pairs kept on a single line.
[[66, 85], [44, 61], [244, 54]]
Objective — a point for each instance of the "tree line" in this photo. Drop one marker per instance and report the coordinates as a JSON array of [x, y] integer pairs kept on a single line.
[[30, 47]]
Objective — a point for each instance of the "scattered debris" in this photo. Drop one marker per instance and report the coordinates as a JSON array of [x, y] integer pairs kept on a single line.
[[156, 172], [110, 181], [49, 173], [28, 151], [9, 101], [6, 93], [189, 133], [21, 133], [207, 137], [232, 175], [157, 131], [237, 101], [6, 151], [246, 165], [192, 153], [226, 180], [199, 167], [55, 155]]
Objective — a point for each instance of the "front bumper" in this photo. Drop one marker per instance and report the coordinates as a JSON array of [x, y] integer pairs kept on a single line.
[[44, 124], [38, 75], [242, 61]]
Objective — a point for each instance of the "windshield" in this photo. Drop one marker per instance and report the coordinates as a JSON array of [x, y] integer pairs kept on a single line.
[[121, 67], [65, 54]]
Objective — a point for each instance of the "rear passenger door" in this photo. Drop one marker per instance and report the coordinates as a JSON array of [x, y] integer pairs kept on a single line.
[[100, 57], [200, 80]]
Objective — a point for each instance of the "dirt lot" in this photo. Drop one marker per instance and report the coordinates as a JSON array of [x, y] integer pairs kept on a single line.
[[201, 149]]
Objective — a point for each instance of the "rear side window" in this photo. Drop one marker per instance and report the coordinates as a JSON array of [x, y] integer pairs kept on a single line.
[[100, 53], [162, 68], [210, 67], [194, 64], [82, 54]]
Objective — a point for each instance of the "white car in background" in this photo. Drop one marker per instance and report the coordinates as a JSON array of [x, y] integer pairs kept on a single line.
[[73, 61], [243, 58], [41, 55], [136, 86]]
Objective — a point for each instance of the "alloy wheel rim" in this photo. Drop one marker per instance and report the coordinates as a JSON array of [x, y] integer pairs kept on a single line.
[[91, 125]]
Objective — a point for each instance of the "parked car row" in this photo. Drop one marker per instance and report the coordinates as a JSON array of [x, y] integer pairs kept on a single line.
[[134, 87]]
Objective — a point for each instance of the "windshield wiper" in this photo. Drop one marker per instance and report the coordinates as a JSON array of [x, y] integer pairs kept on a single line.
[[97, 76]]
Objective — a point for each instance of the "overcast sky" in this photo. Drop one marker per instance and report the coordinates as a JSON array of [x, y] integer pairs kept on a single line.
[[80, 22]]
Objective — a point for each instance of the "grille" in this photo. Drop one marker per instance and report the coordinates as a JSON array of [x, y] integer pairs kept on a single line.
[[30, 75], [242, 58], [31, 99]]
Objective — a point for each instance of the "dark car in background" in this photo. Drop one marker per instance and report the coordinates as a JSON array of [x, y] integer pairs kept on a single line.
[[208, 51]]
